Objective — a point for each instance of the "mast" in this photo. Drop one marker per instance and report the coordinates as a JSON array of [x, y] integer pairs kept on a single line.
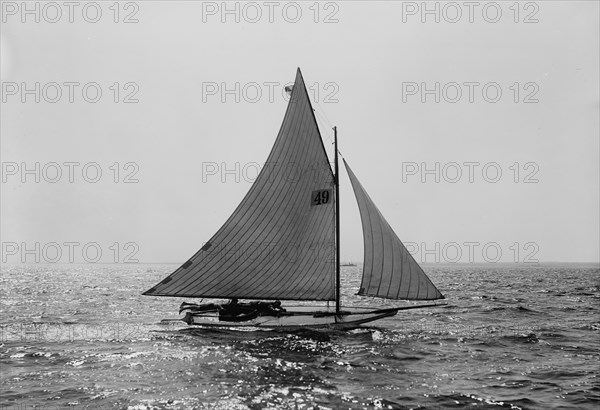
[[337, 226]]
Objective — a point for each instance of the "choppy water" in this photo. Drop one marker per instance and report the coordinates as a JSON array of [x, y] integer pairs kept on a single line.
[[512, 336]]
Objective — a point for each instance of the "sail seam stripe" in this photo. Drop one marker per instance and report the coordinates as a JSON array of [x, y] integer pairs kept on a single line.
[[305, 279], [231, 219], [242, 204], [264, 213], [307, 273], [288, 195], [211, 273], [299, 282], [241, 211], [296, 118], [383, 247]]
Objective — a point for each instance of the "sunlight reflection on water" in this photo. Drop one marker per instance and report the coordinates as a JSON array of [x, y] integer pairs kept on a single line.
[[82, 336]]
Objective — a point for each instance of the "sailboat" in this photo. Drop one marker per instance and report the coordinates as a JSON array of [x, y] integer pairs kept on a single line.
[[282, 242]]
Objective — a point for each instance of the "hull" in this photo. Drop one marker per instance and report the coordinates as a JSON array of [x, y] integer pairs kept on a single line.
[[295, 318]]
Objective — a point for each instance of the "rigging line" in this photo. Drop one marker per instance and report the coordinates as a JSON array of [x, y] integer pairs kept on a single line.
[[323, 116], [327, 127], [327, 132], [322, 111]]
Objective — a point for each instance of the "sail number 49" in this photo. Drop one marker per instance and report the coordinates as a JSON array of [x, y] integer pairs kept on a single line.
[[320, 197]]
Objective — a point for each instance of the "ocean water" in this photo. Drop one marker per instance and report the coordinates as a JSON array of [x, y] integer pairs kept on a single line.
[[511, 336]]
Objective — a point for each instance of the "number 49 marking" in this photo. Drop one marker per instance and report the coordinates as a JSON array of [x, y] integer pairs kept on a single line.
[[320, 197]]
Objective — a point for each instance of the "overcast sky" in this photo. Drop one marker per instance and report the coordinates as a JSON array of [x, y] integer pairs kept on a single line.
[[513, 138]]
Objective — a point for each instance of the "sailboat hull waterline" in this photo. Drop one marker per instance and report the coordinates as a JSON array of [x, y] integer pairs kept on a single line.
[[282, 242], [295, 317]]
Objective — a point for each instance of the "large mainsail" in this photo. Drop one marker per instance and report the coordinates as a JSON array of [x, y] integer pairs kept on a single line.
[[279, 242], [389, 270]]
